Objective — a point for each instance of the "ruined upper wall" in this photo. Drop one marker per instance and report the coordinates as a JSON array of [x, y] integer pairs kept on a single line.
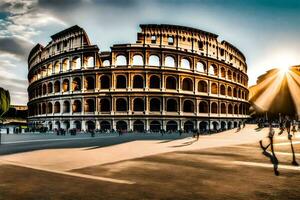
[[67, 40], [192, 40]]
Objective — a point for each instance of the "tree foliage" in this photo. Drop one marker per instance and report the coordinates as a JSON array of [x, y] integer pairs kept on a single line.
[[4, 101]]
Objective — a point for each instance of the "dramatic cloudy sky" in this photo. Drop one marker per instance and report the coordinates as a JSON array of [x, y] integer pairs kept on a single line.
[[267, 31]]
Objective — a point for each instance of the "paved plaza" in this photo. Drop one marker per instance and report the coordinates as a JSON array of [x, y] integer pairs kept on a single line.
[[227, 165]]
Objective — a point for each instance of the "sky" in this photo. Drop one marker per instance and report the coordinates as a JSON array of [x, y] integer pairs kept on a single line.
[[266, 31]]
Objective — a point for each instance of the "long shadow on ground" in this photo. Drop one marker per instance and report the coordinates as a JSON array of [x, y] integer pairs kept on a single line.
[[93, 143]]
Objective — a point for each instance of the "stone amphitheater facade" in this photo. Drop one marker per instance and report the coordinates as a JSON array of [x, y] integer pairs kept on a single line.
[[172, 78]]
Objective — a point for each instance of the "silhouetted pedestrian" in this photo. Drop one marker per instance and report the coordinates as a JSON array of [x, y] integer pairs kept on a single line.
[[273, 157], [288, 127]]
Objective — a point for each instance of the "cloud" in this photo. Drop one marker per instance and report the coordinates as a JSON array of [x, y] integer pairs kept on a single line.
[[15, 46]]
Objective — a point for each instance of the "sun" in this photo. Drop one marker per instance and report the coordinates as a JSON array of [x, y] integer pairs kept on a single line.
[[284, 69]]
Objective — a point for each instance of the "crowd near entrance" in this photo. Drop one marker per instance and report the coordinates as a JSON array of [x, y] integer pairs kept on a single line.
[[139, 126]]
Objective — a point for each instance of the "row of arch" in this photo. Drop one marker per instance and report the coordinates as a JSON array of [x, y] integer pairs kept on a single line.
[[137, 60], [138, 105], [139, 125], [138, 82]]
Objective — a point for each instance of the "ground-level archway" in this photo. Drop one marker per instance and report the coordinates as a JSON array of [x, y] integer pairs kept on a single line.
[[138, 126], [121, 125]]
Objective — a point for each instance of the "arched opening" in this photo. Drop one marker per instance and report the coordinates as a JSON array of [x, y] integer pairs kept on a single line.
[[223, 125], [214, 88], [240, 109], [223, 72], [223, 108], [236, 111], [105, 105], [154, 82], [229, 91], [187, 84], [203, 107], [121, 125], [57, 124], [234, 92], [56, 67], [229, 125], [229, 75], [39, 89], [172, 126], [154, 60], [76, 63], [185, 64], [90, 83], [43, 108], [57, 107], [222, 90], [121, 81], [188, 126], [77, 106], [66, 65], [171, 105], [49, 108], [104, 82], [214, 107], [57, 86], [202, 86], [89, 62], [215, 126], [213, 70], [203, 126], [44, 89], [230, 109], [89, 105], [137, 60], [171, 83], [154, 105], [138, 81], [200, 67], [66, 85], [155, 126], [66, 107], [106, 63], [121, 105], [90, 126], [138, 126], [77, 125], [76, 84], [121, 60], [50, 88], [169, 61], [138, 104], [50, 125], [66, 125], [235, 124], [234, 76], [49, 69], [105, 125], [188, 106]]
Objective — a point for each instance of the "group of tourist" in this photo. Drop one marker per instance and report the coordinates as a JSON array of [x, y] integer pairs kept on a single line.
[[288, 125]]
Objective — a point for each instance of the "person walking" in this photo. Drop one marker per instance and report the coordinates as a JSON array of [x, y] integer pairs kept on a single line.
[[272, 157], [198, 134], [288, 127]]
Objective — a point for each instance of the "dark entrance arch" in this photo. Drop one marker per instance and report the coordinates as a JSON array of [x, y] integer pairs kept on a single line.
[[138, 126], [121, 125], [188, 126], [203, 126], [105, 125], [155, 126], [172, 126]]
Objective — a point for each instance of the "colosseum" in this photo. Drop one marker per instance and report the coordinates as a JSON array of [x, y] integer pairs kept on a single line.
[[172, 78]]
